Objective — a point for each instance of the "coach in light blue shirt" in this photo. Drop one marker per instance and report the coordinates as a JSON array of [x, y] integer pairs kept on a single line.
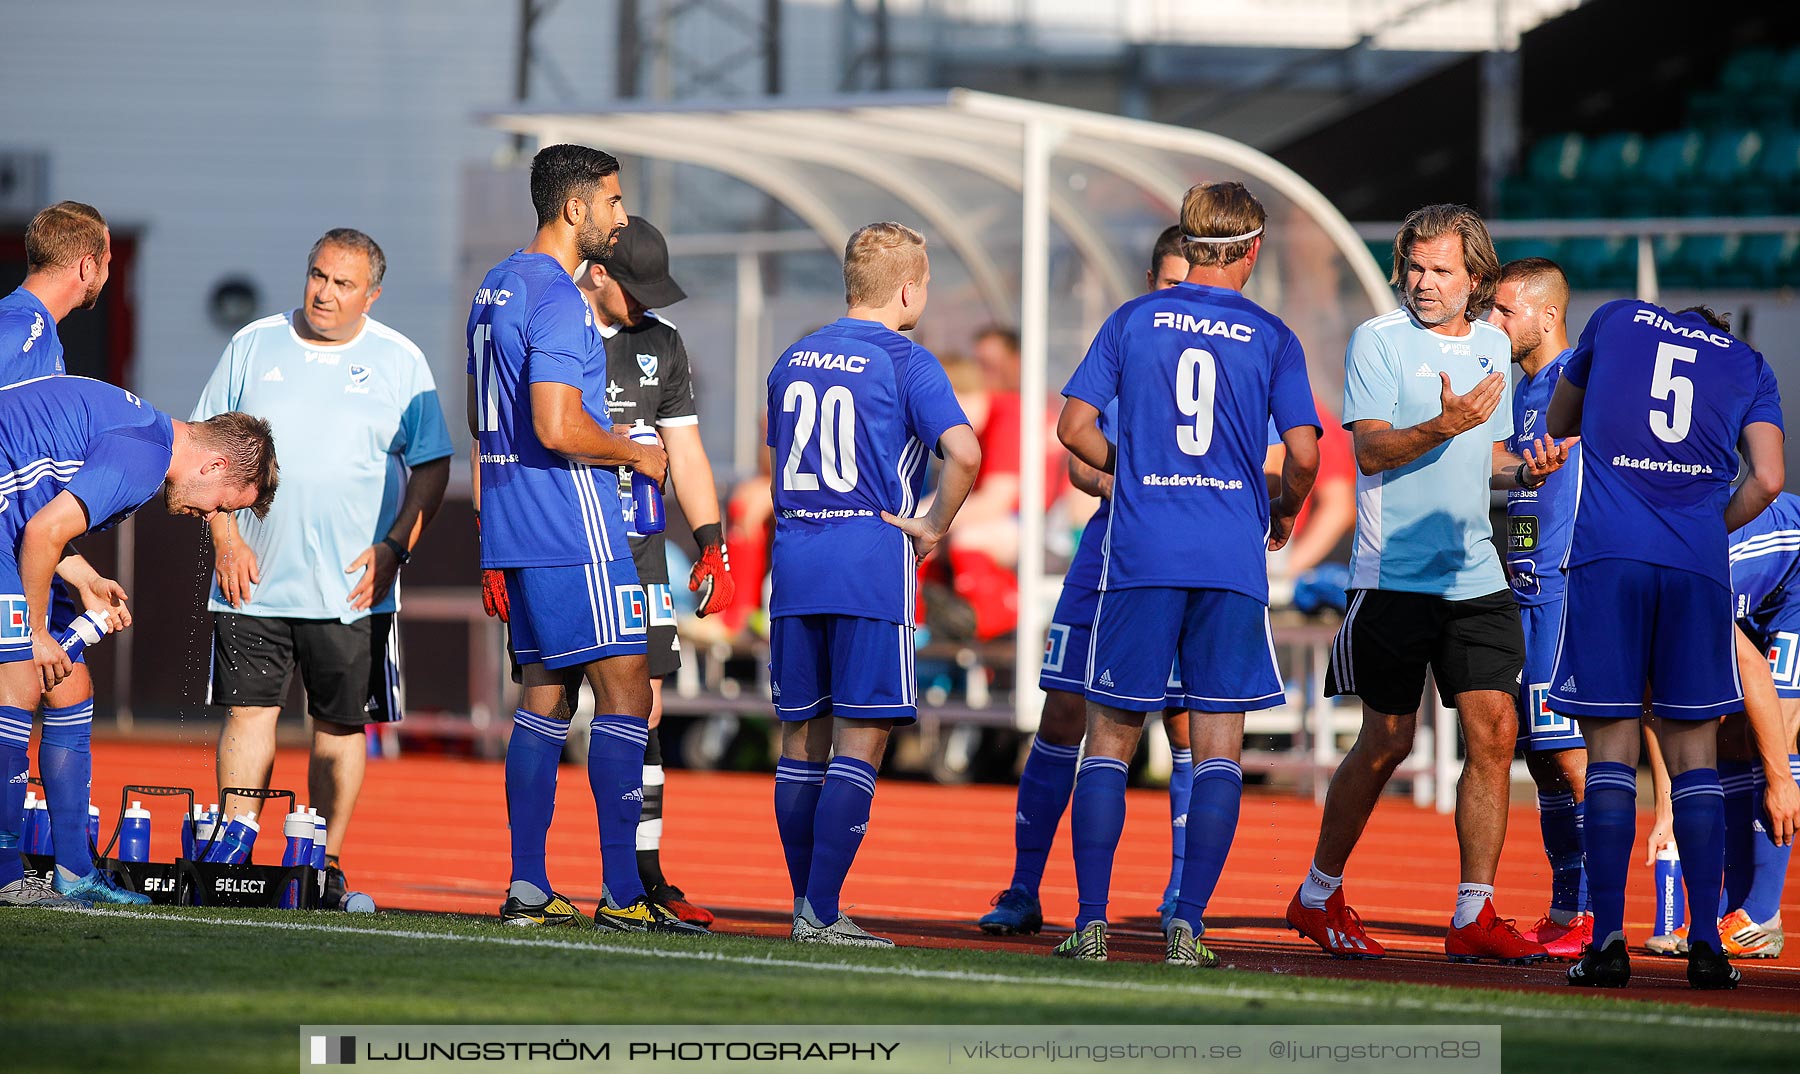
[[312, 586], [1426, 399]]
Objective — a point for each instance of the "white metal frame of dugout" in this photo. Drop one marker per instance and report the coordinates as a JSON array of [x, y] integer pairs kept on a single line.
[[1038, 215]]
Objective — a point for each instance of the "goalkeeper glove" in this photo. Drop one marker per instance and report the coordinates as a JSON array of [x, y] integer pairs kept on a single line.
[[711, 577], [493, 595]]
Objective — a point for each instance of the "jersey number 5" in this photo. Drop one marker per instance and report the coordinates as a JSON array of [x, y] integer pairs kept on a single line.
[[1196, 380], [836, 424], [1672, 428]]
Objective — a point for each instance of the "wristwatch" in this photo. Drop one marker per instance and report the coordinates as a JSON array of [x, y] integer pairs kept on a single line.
[[399, 550]]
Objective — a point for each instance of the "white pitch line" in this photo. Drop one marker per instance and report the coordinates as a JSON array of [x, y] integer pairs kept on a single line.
[[1187, 989]]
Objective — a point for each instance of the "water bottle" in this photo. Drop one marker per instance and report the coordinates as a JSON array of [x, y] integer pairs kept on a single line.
[[646, 497], [88, 628], [299, 829], [206, 831], [1671, 896], [32, 834], [93, 832], [134, 834], [234, 847], [189, 822], [356, 902], [318, 850]]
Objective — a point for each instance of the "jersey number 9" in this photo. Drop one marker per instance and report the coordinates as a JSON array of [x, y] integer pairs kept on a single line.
[[835, 421], [1196, 380]]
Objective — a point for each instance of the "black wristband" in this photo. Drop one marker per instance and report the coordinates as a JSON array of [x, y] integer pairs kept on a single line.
[[399, 550], [710, 535]]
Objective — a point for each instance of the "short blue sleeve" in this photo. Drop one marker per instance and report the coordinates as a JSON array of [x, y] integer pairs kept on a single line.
[[1371, 383], [930, 403], [122, 471], [1290, 392], [1766, 406], [424, 436], [558, 339], [1500, 422], [1575, 370], [1096, 379]]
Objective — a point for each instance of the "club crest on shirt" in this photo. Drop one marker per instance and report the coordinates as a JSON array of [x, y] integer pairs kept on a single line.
[[1526, 425], [359, 379], [647, 362], [1487, 365]]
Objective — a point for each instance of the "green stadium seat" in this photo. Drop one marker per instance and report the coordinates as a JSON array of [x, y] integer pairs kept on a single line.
[[1773, 185], [1550, 166], [1666, 167], [1608, 161], [1515, 249], [1725, 164], [1747, 79], [1765, 261], [1596, 264], [1695, 260], [1751, 71]]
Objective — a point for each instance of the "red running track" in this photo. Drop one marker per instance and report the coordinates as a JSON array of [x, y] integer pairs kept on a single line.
[[430, 834]]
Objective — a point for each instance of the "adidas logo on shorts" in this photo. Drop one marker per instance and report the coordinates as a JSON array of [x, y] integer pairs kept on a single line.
[[1568, 686], [1106, 677], [1180, 822], [860, 829], [635, 794], [1021, 819]]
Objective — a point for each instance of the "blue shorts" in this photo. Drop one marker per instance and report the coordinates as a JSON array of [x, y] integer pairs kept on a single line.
[[1541, 729], [843, 666], [15, 619], [1218, 640], [1066, 647], [1776, 632], [568, 616], [1646, 624]]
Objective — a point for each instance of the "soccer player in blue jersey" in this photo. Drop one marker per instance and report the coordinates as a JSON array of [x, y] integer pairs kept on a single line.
[[1426, 401], [1530, 307], [854, 410], [68, 253], [1663, 402], [550, 520], [1198, 371], [76, 456], [1049, 774]]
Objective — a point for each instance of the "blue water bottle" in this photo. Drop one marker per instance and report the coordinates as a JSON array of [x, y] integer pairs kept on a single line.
[[646, 514], [88, 628], [35, 834], [234, 847], [134, 834], [299, 830], [206, 829], [1671, 896], [318, 850], [189, 821], [93, 832]]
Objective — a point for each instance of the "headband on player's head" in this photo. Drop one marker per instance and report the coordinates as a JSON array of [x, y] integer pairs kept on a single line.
[[1224, 241]]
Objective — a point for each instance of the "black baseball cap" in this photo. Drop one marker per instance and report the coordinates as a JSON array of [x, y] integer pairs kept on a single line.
[[640, 262]]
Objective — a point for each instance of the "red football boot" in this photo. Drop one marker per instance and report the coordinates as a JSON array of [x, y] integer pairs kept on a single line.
[[1336, 928], [1492, 937]]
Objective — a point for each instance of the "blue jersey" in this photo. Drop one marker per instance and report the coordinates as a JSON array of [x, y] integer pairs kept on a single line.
[[1765, 558], [1081, 583], [28, 345], [1198, 372], [854, 409], [1538, 521], [529, 325], [103, 444], [1668, 397]]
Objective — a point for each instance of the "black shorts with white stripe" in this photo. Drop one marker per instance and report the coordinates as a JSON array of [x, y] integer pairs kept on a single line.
[[1389, 638], [351, 671]]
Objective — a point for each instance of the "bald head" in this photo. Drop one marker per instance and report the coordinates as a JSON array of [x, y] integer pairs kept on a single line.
[[1531, 306]]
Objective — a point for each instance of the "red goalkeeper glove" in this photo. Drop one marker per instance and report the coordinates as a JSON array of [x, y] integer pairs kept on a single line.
[[711, 577], [493, 596]]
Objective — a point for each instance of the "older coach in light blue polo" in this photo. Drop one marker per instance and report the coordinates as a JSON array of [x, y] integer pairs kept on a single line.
[[312, 586]]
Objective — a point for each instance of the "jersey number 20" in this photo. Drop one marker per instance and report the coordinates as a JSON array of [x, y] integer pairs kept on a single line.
[[835, 420], [1196, 381]]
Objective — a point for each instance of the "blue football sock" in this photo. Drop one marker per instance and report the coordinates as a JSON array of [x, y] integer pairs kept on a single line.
[[1609, 831], [15, 735], [1738, 781], [1044, 789], [1212, 822], [532, 754], [1763, 901], [838, 829], [1699, 807], [797, 787], [616, 774], [1099, 820], [66, 761], [1181, 792], [1584, 898], [1559, 818]]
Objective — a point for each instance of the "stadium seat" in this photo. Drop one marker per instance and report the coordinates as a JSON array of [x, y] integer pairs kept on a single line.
[[1725, 164], [1773, 185], [1666, 167], [1594, 264], [1746, 78], [1515, 249], [1771, 260], [1695, 260], [1551, 164], [1611, 160]]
